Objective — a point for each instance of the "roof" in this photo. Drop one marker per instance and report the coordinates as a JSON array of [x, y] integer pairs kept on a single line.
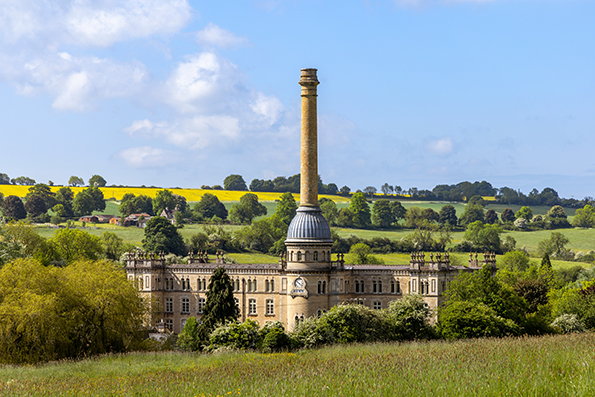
[[309, 225]]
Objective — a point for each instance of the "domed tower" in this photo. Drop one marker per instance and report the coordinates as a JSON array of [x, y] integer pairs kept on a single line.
[[309, 236]]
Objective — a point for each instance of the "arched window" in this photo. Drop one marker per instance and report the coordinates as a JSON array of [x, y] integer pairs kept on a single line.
[[398, 287], [255, 286], [315, 256], [272, 285], [324, 287], [356, 286], [266, 285], [346, 286], [319, 312], [361, 287], [374, 286], [320, 287], [392, 287], [249, 285], [380, 286], [299, 256], [237, 284], [322, 254]]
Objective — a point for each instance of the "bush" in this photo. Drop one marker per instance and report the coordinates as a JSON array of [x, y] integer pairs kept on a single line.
[[236, 336], [568, 323], [464, 319], [410, 318], [343, 324], [275, 340]]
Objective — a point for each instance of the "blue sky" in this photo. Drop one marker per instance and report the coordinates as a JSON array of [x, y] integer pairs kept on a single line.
[[414, 92]]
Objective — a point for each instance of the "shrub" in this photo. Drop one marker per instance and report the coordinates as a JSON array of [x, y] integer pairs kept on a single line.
[[568, 323], [464, 319], [410, 318], [234, 335], [275, 340]]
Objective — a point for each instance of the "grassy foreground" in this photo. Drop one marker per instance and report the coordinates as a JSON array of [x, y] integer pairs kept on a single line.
[[544, 366]]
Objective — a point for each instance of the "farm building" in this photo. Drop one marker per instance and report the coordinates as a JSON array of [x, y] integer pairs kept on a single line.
[[305, 282]]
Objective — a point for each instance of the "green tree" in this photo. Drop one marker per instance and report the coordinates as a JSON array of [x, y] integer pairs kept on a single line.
[[35, 205], [361, 211], [410, 318], [557, 212], [514, 261], [65, 197], [188, 338], [448, 215], [73, 244], [345, 218], [97, 181], [534, 291], [23, 180], [44, 191], [345, 190], [161, 235], [210, 206], [483, 237], [584, 217], [386, 189], [463, 319], [491, 216], [234, 182], [13, 208], [414, 218], [4, 179], [88, 200], [430, 215], [525, 213], [54, 313], [398, 211], [472, 213], [286, 208], [360, 254], [247, 209], [555, 245], [507, 215], [382, 215], [75, 181], [220, 306], [164, 199], [329, 210], [114, 246]]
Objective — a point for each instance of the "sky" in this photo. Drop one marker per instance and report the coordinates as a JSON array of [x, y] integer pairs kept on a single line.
[[414, 93]]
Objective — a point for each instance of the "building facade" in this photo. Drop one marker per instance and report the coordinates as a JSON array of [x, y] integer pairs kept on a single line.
[[306, 281]]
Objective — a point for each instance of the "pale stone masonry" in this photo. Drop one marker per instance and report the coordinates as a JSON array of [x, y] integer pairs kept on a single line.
[[306, 281]]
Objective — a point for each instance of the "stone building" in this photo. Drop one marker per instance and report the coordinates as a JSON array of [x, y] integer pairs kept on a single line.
[[306, 281]]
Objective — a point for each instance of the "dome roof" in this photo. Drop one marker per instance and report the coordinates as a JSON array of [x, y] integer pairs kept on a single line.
[[309, 225]]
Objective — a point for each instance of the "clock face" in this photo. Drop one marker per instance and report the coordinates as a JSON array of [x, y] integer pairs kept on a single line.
[[299, 283]]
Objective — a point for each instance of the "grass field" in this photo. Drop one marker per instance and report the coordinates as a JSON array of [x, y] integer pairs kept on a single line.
[[537, 366]]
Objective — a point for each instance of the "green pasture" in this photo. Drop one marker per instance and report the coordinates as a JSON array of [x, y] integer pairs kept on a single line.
[[562, 365]]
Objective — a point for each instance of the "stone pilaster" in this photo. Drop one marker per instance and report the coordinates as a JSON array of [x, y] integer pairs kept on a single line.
[[309, 148]]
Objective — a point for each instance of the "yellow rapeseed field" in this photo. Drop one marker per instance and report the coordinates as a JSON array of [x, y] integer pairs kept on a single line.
[[190, 194]]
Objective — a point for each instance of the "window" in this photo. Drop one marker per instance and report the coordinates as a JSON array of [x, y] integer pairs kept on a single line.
[[272, 285], [356, 286], [252, 306], [299, 256], [198, 284], [346, 286], [249, 285], [398, 287], [361, 287], [266, 285], [188, 284], [270, 307], [380, 286], [201, 304], [255, 288], [315, 256], [169, 305], [377, 305], [147, 282], [185, 305], [183, 284], [324, 287], [320, 287], [392, 287], [169, 324], [374, 289], [237, 284]]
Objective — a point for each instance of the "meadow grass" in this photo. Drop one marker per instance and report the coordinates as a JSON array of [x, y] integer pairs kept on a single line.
[[528, 366]]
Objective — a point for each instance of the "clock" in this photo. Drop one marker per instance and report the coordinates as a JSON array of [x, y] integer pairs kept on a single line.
[[299, 283]]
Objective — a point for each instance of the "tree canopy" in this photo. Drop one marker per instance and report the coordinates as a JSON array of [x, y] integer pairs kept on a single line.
[[234, 182], [13, 208], [247, 209], [161, 235], [360, 211], [97, 181], [210, 206], [75, 181]]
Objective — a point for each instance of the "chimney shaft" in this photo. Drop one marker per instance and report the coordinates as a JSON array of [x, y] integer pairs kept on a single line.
[[309, 148]]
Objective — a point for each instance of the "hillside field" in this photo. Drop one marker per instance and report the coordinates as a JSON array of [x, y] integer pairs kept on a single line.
[[561, 365]]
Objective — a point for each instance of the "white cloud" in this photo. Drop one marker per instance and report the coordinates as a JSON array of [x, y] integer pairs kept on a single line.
[[90, 23], [146, 157], [213, 35], [441, 146]]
